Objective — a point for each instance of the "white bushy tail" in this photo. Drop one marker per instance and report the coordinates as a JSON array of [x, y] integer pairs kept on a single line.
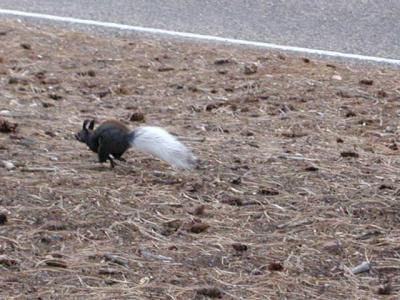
[[160, 143]]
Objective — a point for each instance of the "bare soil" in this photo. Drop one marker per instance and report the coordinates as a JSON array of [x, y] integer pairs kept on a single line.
[[298, 181]]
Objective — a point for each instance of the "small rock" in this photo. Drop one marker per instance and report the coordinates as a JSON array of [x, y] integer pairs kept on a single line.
[[349, 154], [122, 90], [236, 181], [197, 226], [8, 165], [393, 146], [382, 94], [26, 46], [252, 144], [91, 73], [363, 267], [268, 191], [295, 132], [332, 247], [385, 289], [109, 105], [193, 88], [56, 226], [367, 122], [311, 169], [24, 141], [232, 200], [386, 186], [350, 114], [213, 91], [212, 106], [258, 271], [306, 60], [222, 61], [50, 81], [275, 266], [194, 187], [178, 86], [343, 94], [112, 281], [390, 129], [56, 263], [247, 133], [211, 292], [55, 96], [239, 247], [104, 93], [4, 112], [165, 69], [250, 68], [137, 117], [47, 104], [3, 218], [171, 227], [17, 80], [51, 238], [199, 210], [108, 271], [50, 133], [366, 81], [8, 261], [337, 77], [41, 75]]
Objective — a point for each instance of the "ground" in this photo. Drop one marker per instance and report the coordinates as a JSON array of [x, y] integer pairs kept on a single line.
[[298, 179]]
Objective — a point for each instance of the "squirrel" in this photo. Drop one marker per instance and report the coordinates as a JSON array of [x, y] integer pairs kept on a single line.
[[112, 138]]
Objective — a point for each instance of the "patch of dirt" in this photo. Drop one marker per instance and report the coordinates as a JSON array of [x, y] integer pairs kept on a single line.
[[287, 199]]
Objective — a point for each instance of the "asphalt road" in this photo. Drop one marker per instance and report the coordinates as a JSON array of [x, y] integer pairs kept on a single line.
[[366, 27]]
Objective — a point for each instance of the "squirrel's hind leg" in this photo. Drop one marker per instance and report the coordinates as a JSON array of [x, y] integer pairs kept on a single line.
[[112, 163], [104, 155]]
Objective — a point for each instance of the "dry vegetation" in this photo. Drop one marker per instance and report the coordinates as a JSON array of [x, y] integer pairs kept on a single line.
[[298, 182]]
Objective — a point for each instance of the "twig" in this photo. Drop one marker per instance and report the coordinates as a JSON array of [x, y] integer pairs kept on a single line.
[[151, 256], [115, 259], [295, 223], [38, 169]]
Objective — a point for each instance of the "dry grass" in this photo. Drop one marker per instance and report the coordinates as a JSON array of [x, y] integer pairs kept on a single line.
[[299, 180]]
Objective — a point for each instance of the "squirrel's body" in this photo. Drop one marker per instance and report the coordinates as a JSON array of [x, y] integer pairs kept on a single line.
[[112, 138]]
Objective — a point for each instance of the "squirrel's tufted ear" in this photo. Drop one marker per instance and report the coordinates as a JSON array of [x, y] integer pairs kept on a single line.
[[91, 124], [85, 124], [88, 124]]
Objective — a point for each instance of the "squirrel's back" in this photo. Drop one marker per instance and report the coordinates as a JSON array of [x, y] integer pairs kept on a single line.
[[112, 137], [112, 125]]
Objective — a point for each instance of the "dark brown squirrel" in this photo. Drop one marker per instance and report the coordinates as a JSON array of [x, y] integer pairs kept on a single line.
[[112, 138]]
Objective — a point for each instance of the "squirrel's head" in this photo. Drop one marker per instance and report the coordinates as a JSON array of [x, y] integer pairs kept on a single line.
[[87, 129]]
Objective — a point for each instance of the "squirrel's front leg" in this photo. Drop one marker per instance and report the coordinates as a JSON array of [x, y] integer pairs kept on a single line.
[[103, 155]]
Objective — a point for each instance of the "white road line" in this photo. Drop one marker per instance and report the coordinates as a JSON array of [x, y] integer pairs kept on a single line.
[[200, 36]]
